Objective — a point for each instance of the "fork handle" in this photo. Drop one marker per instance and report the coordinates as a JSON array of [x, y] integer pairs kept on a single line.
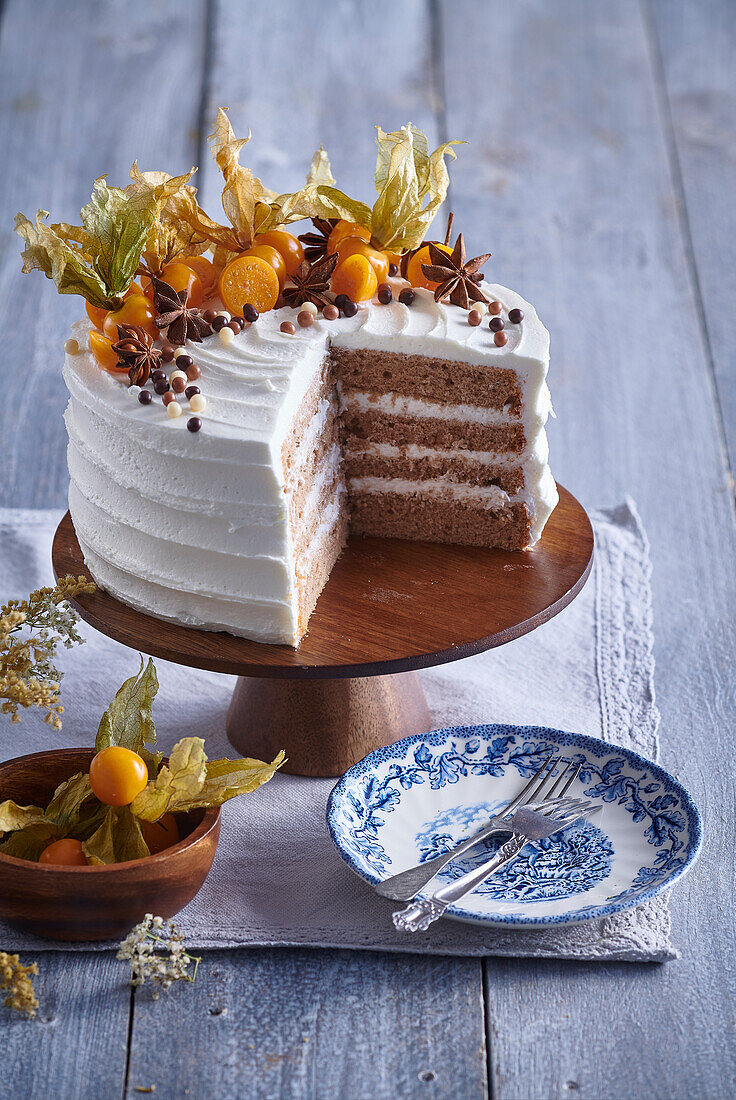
[[422, 912], [407, 884]]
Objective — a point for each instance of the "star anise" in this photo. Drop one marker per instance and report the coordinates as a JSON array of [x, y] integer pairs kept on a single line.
[[183, 323], [456, 278], [134, 347], [312, 283], [315, 244]]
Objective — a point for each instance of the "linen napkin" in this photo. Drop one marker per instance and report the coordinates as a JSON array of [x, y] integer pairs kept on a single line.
[[277, 879]]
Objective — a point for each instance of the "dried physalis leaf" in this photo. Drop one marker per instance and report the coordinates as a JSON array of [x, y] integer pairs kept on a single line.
[[227, 779], [319, 198], [177, 782], [412, 185], [175, 231], [66, 803], [128, 720], [99, 258], [13, 816], [118, 839]]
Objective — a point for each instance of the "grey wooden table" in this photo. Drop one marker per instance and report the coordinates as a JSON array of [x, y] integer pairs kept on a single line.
[[602, 175]]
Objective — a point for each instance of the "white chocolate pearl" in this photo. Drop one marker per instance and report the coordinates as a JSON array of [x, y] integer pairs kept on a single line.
[[481, 307], [178, 352], [134, 391], [197, 403], [177, 374], [224, 313], [71, 347], [226, 335], [173, 409], [310, 307]]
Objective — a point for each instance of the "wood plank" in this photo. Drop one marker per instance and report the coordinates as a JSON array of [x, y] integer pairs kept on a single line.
[[568, 181], [63, 124], [695, 44], [326, 1024], [75, 1048], [365, 64]]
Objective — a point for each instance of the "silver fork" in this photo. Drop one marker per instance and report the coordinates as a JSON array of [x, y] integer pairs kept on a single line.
[[407, 884], [528, 824]]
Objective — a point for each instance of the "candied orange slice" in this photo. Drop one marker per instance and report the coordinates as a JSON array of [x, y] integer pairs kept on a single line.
[[355, 277], [249, 280]]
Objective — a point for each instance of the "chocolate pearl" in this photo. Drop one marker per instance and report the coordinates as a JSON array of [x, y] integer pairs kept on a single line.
[[209, 316], [251, 314], [167, 353], [330, 313], [194, 424], [288, 327], [393, 270], [183, 361], [494, 307], [495, 324], [516, 316], [499, 339], [304, 318], [349, 308], [168, 398], [474, 318], [145, 397], [407, 296], [340, 300], [235, 325], [193, 372], [385, 294], [161, 386], [178, 385], [190, 391], [218, 323], [157, 374]]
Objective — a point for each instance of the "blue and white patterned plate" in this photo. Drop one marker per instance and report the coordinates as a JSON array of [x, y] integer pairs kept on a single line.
[[411, 801]]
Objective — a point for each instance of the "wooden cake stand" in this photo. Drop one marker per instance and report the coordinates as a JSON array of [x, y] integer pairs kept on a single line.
[[390, 607]]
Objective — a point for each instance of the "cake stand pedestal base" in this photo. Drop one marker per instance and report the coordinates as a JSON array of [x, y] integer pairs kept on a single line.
[[324, 726]]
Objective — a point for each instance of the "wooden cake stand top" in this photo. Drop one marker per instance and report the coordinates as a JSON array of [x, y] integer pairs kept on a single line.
[[389, 605]]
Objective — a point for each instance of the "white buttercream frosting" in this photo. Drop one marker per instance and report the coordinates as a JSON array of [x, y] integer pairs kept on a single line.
[[196, 527]]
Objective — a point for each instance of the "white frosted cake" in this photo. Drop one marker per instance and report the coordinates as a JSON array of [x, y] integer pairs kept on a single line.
[[238, 527], [242, 398]]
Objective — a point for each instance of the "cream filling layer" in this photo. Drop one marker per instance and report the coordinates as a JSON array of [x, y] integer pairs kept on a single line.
[[533, 419]]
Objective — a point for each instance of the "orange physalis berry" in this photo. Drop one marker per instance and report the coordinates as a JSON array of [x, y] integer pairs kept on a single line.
[[346, 229], [96, 315], [64, 853], [161, 834], [180, 276], [285, 243], [349, 246], [273, 257], [136, 310], [249, 280], [355, 277], [117, 775], [414, 272], [205, 269], [101, 348]]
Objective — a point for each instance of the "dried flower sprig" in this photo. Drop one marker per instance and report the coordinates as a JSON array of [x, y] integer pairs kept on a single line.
[[170, 964], [30, 631], [16, 980]]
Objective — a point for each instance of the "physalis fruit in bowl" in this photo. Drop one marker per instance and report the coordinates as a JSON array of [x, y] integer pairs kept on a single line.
[[126, 807]]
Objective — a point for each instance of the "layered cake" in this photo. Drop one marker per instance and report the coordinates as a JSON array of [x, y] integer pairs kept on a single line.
[[236, 413]]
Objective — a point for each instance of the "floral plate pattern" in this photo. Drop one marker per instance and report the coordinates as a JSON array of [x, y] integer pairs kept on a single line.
[[411, 801]]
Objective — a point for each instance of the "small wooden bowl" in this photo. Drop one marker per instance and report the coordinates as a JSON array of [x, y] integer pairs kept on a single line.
[[96, 903]]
